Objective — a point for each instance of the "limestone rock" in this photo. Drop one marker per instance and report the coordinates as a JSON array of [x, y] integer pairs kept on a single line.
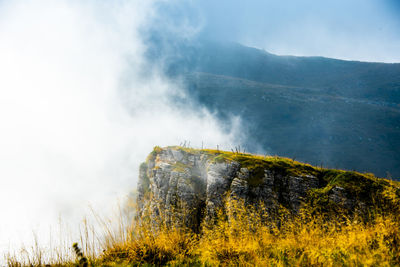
[[188, 186]]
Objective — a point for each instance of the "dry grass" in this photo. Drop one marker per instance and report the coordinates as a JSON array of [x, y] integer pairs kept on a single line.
[[241, 236], [244, 236], [301, 241]]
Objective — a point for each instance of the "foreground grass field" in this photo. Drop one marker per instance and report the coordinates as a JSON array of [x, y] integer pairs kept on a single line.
[[249, 239]]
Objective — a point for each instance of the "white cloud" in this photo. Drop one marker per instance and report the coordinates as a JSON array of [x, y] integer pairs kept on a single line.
[[66, 139]]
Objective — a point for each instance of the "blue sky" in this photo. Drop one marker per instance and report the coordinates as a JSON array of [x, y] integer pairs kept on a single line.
[[358, 29]]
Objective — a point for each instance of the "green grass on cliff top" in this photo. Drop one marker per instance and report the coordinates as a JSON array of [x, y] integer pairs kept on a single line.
[[364, 185]]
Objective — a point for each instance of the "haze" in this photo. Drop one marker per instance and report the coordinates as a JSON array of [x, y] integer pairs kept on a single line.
[[77, 115], [366, 30], [80, 107]]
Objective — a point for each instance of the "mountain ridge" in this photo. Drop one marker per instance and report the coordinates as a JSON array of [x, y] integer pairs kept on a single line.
[[338, 113]]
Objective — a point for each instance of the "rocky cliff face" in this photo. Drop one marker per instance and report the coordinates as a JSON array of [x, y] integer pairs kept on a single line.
[[190, 185]]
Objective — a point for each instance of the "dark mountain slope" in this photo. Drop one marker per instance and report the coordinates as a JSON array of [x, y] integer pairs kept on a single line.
[[307, 124], [342, 114], [377, 81]]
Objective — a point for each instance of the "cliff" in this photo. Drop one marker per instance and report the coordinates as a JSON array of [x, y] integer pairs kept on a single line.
[[190, 186]]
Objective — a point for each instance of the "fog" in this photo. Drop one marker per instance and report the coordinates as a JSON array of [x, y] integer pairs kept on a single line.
[[81, 106], [365, 30], [80, 109]]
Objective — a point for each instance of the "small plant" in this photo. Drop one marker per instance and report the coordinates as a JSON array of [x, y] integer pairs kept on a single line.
[[82, 260]]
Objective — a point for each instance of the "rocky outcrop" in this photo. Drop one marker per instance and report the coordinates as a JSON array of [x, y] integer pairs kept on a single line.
[[189, 186]]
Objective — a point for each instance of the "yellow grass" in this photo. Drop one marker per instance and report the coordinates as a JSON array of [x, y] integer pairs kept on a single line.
[[242, 235]]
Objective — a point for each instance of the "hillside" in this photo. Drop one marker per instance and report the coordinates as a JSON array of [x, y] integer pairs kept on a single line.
[[335, 113], [378, 81]]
